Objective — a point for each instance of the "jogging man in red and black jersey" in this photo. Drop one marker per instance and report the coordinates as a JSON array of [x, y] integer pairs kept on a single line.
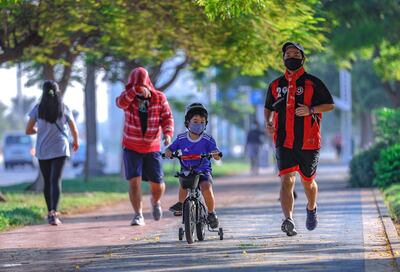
[[293, 111]]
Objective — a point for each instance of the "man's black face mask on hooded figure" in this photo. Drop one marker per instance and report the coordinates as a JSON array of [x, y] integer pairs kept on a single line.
[[293, 64]]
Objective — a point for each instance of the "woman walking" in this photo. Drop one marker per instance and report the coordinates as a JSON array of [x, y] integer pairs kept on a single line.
[[49, 120]]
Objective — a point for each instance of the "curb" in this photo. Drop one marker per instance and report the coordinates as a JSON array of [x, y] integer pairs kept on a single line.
[[390, 230]]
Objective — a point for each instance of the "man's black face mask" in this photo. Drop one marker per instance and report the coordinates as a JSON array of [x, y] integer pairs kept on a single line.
[[293, 64]]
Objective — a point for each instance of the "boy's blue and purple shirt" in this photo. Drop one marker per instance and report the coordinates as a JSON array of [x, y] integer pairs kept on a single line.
[[205, 144]]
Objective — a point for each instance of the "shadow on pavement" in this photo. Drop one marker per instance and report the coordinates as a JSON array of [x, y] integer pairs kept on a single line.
[[174, 256]]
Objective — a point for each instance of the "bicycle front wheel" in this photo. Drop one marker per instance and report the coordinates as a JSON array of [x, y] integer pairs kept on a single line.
[[189, 219], [201, 219]]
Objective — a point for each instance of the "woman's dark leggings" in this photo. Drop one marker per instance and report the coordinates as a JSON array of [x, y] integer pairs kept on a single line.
[[52, 171]]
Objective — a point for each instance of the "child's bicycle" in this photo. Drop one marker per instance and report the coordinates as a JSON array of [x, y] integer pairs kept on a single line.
[[194, 217]]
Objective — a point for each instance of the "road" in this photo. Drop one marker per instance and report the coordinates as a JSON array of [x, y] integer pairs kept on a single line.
[[21, 174], [350, 235]]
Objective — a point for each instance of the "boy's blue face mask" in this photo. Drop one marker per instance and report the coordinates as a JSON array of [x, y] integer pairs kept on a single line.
[[197, 128]]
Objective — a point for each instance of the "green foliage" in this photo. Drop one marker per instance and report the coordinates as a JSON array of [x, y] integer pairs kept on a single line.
[[387, 125], [148, 33], [231, 8], [229, 168], [17, 216], [368, 93], [360, 24], [392, 197], [387, 65], [362, 172], [380, 165], [24, 208], [387, 168], [367, 29]]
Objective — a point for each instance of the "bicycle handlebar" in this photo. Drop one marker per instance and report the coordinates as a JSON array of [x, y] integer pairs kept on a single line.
[[192, 156]]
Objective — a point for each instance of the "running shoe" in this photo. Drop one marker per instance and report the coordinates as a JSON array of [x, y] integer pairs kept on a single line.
[[289, 227]]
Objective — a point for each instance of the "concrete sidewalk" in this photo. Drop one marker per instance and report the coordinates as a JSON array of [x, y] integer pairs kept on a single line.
[[351, 235]]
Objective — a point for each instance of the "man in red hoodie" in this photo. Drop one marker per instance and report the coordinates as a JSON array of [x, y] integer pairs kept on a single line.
[[147, 114]]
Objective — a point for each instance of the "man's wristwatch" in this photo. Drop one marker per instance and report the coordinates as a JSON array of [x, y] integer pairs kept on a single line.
[[312, 110]]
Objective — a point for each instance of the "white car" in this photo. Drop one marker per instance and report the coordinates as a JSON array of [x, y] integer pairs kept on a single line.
[[18, 149]]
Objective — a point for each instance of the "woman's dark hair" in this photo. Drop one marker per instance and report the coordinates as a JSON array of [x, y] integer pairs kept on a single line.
[[50, 106]]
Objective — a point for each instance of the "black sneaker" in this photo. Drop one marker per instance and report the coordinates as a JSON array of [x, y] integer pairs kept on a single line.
[[53, 220], [50, 219], [312, 219], [176, 208], [289, 227], [213, 220]]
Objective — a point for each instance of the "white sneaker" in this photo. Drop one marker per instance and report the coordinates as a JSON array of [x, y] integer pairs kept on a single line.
[[138, 220]]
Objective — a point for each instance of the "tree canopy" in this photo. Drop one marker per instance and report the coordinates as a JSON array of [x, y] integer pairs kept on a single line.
[[148, 32], [368, 29]]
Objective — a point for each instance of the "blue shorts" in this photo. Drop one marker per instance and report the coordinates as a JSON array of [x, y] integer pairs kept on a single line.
[[147, 165]]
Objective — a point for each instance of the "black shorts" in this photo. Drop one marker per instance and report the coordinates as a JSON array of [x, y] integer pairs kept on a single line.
[[303, 161]]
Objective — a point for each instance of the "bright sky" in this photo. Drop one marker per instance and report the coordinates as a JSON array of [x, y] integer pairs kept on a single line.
[[73, 97]]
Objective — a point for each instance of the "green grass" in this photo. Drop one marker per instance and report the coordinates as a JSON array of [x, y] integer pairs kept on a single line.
[[392, 198], [26, 208]]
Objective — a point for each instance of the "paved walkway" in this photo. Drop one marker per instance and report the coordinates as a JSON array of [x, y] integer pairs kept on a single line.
[[350, 236]]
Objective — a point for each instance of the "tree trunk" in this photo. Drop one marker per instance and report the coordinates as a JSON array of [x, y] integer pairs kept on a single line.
[[393, 90], [2, 198], [128, 67], [92, 166], [38, 185], [367, 134], [172, 79]]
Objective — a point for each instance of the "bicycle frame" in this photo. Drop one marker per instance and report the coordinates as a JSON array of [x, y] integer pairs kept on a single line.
[[194, 209], [195, 195]]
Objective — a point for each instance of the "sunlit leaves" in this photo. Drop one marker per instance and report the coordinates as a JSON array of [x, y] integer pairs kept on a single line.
[[257, 29], [235, 33], [367, 29], [388, 64]]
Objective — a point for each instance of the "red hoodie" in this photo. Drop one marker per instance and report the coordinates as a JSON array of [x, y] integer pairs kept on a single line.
[[159, 115]]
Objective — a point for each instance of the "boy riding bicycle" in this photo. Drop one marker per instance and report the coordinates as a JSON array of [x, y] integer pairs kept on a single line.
[[196, 141]]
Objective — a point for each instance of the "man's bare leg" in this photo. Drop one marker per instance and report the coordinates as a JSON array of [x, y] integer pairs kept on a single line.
[[287, 203], [135, 194], [311, 190], [286, 194], [157, 191]]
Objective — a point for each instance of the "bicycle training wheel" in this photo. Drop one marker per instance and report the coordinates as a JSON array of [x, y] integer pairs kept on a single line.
[[180, 234]]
